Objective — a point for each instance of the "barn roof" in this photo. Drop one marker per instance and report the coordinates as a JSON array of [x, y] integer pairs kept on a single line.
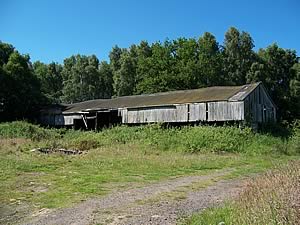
[[208, 94]]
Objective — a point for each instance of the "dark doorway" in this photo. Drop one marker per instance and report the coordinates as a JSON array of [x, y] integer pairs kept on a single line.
[[107, 118]]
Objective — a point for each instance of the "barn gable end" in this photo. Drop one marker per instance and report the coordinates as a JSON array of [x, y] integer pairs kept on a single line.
[[259, 107]]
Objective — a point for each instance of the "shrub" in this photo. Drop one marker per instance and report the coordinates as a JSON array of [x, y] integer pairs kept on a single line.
[[22, 129], [191, 139]]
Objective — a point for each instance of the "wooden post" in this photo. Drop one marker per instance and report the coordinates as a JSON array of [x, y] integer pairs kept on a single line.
[[84, 120], [96, 121]]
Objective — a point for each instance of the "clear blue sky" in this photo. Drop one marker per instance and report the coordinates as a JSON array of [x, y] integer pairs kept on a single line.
[[51, 30]]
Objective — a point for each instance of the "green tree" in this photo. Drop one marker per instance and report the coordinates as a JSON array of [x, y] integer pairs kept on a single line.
[[20, 95], [115, 63], [81, 79], [5, 51], [50, 79], [186, 56], [5, 81], [275, 68], [106, 76], [144, 53], [295, 92], [238, 56], [125, 76], [159, 70], [209, 61], [295, 82]]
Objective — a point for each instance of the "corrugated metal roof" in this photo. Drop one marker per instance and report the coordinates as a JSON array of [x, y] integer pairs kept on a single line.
[[208, 94]]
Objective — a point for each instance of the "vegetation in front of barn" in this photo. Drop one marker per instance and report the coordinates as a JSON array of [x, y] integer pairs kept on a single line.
[[123, 157], [191, 139], [269, 199]]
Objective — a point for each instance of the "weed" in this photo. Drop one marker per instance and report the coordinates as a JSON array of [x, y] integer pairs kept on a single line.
[[122, 155]]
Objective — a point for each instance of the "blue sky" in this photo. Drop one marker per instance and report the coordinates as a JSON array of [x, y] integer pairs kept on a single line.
[[51, 30]]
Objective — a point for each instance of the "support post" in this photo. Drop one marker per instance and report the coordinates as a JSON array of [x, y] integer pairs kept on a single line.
[[84, 120], [96, 121]]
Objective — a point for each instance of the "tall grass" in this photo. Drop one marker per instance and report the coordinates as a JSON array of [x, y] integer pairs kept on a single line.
[[273, 198], [183, 139], [189, 139], [122, 156], [22, 129]]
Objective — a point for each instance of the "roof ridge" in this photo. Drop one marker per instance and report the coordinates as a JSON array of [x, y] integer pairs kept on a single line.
[[177, 91], [205, 94]]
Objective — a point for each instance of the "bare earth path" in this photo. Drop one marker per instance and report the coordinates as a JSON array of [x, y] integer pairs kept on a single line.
[[159, 203]]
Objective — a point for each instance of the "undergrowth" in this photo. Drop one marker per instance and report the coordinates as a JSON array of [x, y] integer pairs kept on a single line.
[[191, 139], [124, 156]]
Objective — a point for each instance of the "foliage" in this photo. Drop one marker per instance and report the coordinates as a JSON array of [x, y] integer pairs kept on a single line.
[[82, 79], [198, 139], [20, 88], [238, 56], [183, 63], [277, 70], [50, 79], [21, 129]]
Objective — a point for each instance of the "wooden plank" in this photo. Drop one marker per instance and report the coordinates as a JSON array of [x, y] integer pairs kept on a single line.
[[181, 113], [225, 111], [197, 112], [149, 115]]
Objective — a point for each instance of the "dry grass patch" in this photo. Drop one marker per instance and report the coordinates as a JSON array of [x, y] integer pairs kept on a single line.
[[273, 198]]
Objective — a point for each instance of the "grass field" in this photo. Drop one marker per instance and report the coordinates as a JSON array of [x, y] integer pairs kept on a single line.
[[123, 157]]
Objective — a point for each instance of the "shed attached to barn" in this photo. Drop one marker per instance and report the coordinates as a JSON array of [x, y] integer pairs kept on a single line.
[[248, 103]]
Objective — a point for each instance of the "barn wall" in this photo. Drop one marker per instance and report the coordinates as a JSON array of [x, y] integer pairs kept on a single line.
[[182, 113], [258, 107], [69, 119], [225, 111], [58, 119], [154, 114], [175, 113], [197, 112], [47, 119], [217, 111]]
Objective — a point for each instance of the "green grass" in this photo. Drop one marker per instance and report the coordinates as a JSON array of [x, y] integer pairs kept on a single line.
[[213, 216], [123, 157]]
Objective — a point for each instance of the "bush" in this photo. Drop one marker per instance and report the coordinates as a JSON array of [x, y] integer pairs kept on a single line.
[[190, 139], [22, 129]]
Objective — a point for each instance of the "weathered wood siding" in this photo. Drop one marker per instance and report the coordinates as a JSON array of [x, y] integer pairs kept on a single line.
[[176, 113], [69, 119], [225, 111], [217, 111], [197, 112], [58, 120], [258, 107]]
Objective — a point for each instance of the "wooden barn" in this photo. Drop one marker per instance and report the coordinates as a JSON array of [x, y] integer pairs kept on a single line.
[[248, 103]]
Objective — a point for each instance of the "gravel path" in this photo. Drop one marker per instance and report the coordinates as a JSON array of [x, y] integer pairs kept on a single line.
[[159, 203]]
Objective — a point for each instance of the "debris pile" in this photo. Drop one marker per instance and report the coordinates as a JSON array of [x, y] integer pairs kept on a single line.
[[58, 150]]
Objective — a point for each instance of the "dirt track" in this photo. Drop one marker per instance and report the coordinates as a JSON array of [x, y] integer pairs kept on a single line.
[[160, 203]]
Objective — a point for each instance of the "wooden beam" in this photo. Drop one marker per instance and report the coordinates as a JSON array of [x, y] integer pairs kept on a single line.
[[84, 120]]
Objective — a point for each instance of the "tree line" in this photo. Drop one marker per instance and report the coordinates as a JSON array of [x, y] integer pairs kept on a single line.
[[148, 68]]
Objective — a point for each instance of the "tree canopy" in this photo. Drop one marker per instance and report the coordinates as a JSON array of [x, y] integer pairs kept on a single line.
[[184, 63]]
